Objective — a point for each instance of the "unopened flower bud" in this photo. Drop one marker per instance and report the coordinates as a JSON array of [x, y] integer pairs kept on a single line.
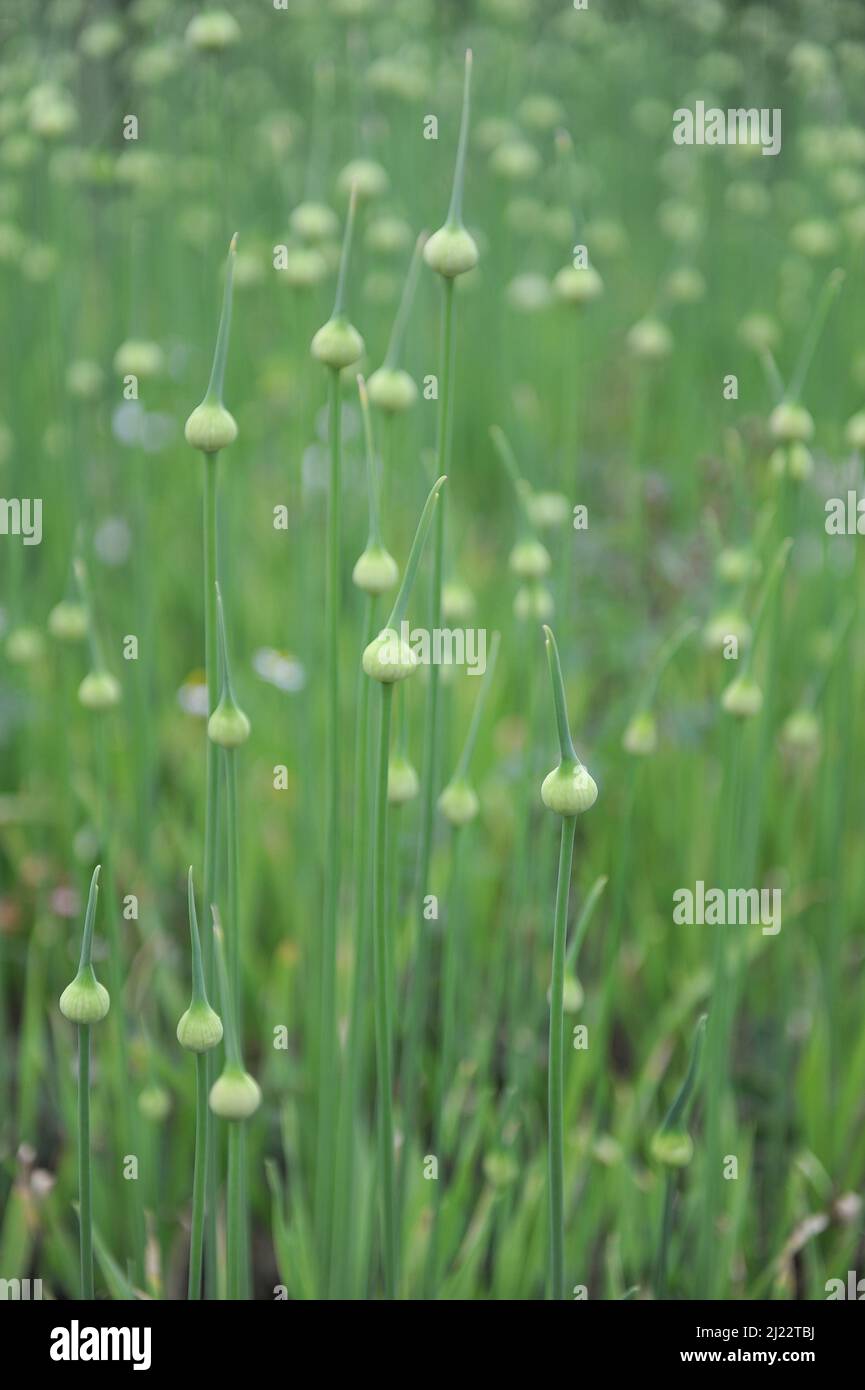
[[451, 251], [200, 1027], [85, 1000], [235, 1095], [791, 423], [337, 343], [529, 560], [67, 621], [210, 427], [742, 697], [389, 658], [375, 571], [569, 789], [99, 691], [578, 284], [403, 783], [673, 1148], [459, 802], [392, 389], [641, 735]]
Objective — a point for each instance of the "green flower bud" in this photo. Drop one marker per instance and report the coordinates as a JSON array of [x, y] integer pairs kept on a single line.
[[742, 697], [459, 802], [388, 235], [137, 357], [213, 31], [548, 509], [85, 1000], [800, 732], [67, 621], [515, 160], [154, 1103], [790, 423], [855, 431], [725, 625], [569, 789], [686, 285], [200, 1027], [314, 222], [365, 176], [375, 571], [228, 725], [528, 293], [403, 783], [533, 602], [578, 285], [392, 389], [24, 645], [337, 343], [210, 427], [235, 1095], [84, 379], [304, 266], [735, 566], [99, 691], [793, 461], [673, 1148], [451, 251], [529, 559], [389, 658], [572, 995], [650, 340], [641, 736], [458, 602]]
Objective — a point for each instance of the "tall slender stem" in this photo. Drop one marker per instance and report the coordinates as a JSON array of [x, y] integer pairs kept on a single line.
[[210, 834], [196, 1243], [383, 1016], [327, 1032], [556, 1063], [84, 1178], [417, 1006], [234, 1212]]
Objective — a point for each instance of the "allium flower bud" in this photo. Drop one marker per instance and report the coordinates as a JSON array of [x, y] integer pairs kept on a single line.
[[392, 389], [855, 430], [791, 424], [569, 789], [389, 658], [533, 602], [452, 251], [85, 1000], [725, 625], [67, 621], [578, 285], [459, 802], [403, 783], [548, 509], [99, 691], [212, 31], [458, 602], [138, 357], [365, 176], [210, 427], [235, 1095], [800, 732], [375, 570], [641, 735], [337, 344], [154, 1103], [529, 560], [199, 1028], [314, 221], [650, 340], [673, 1148], [742, 697], [228, 725]]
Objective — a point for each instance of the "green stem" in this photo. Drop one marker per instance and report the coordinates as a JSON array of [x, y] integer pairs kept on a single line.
[[210, 833], [417, 1006], [327, 1042], [85, 1213], [196, 1241], [345, 1186], [556, 1063], [383, 1017], [234, 1213], [666, 1230]]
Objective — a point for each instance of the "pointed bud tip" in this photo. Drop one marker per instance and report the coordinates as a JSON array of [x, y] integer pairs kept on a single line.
[[232, 245]]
